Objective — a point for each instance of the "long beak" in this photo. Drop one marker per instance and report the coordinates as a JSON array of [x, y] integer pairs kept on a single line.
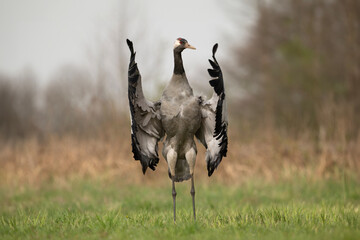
[[187, 45]]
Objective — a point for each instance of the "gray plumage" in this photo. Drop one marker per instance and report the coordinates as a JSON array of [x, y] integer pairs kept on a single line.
[[180, 116]]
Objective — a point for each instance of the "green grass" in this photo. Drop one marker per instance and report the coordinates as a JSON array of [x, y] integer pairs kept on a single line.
[[88, 209]]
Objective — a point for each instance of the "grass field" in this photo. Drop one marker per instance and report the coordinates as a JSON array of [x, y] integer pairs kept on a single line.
[[89, 209]]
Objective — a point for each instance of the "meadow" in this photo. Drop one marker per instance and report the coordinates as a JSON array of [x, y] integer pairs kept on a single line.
[[276, 188], [66, 187], [91, 209]]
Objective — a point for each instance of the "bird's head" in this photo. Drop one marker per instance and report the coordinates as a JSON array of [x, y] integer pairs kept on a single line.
[[181, 44]]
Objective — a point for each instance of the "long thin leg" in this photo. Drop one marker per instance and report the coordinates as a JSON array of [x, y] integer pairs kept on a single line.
[[190, 157], [192, 192], [174, 198]]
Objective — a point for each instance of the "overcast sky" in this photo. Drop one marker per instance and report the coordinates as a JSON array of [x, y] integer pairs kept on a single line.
[[43, 35]]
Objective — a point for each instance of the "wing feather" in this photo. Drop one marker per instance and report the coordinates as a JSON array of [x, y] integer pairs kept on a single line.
[[213, 131], [146, 128]]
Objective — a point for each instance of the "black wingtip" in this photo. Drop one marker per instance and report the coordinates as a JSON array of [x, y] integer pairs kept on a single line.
[[215, 47], [130, 44], [144, 166], [144, 170], [210, 168]]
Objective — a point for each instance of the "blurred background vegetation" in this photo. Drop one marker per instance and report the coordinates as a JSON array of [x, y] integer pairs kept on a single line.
[[293, 102]]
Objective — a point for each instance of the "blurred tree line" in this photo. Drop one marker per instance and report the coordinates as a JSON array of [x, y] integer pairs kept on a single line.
[[18, 105], [300, 68], [71, 103], [81, 101]]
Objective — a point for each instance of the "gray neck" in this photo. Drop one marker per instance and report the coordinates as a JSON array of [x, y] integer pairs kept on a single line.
[[178, 63]]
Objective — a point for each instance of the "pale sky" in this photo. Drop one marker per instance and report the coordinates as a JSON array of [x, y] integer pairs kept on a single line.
[[44, 35]]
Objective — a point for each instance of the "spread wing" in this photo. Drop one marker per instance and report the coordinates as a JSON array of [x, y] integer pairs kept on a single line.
[[146, 128], [213, 131]]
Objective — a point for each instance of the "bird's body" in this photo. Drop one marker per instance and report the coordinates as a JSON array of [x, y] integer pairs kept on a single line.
[[180, 116]]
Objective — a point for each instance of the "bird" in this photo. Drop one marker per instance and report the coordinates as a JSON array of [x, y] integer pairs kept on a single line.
[[176, 119]]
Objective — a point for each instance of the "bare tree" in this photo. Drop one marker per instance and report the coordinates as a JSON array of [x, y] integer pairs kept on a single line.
[[18, 105]]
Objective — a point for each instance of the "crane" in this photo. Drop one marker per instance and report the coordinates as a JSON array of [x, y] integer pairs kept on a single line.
[[176, 118]]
